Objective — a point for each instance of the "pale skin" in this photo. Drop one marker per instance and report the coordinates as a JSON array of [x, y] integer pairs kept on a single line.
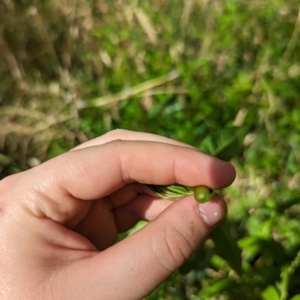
[[59, 221]]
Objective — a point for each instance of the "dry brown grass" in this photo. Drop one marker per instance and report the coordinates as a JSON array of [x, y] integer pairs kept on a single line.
[[53, 53], [42, 48]]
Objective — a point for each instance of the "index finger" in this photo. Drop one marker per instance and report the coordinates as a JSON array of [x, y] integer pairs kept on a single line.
[[97, 171], [128, 135]]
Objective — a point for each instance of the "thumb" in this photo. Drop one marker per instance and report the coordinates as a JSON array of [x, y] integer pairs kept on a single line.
[[139, 263]]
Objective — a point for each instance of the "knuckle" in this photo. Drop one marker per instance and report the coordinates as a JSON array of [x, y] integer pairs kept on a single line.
[[7, 182], [116, 134], [176, 248]]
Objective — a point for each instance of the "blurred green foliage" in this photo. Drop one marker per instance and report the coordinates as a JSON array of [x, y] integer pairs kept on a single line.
[[71, 70]]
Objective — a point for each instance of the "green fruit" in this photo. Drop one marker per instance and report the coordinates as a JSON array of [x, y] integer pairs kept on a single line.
[[202, 193]]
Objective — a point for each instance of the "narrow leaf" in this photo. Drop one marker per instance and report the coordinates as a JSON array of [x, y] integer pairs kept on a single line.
[[270, 293], [4, 160], [224, 144], [217, 288], [227, 246]]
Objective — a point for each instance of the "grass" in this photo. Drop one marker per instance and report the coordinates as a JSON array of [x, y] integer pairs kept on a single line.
[[72, 70]]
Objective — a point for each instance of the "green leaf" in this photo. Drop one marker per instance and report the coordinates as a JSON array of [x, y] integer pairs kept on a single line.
[[272, 249], [292, 162], [270, 293], [268, 247], [296, 297], [288, 203], [217, 288], [139, 225], [4, 160], [227, 246], [172, 191], [224, 144], [251, 247]]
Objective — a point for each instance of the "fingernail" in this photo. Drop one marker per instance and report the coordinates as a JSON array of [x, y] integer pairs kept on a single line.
[[212, 211]]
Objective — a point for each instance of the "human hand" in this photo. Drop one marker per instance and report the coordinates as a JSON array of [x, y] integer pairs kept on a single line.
[[60, 220]]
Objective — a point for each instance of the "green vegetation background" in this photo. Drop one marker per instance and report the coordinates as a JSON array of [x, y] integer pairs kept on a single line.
[[74, 69]]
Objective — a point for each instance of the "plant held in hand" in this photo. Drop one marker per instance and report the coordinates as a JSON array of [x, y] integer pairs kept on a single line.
[[201, 193]]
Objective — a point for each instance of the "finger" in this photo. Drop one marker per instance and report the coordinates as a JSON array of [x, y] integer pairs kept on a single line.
[[135, 202], [127, 135], [94, 172], [94, 226], [98, 225], [122, 217], [143, 207], [143, 260], [128, 192], [97, 171]]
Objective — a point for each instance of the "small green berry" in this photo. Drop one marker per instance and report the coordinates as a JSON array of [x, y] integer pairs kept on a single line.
[[202, 193]]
